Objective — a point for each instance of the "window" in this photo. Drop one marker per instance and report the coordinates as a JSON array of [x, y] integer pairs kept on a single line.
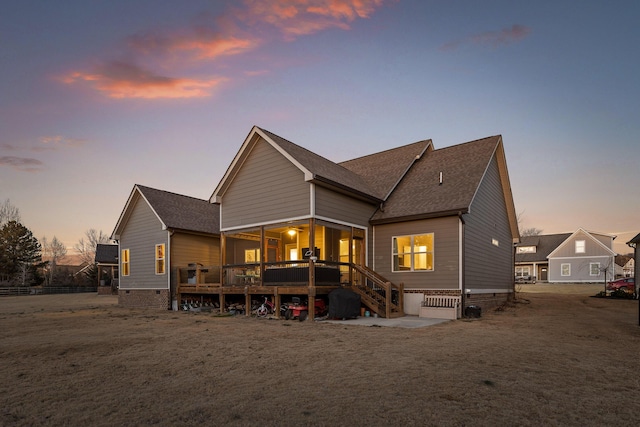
[[580, 246], [594, 268], [160, 259], [522, 271], [124, 259], [526, 249], [413, 253], [251, 256], [495, 242], [565, 269]]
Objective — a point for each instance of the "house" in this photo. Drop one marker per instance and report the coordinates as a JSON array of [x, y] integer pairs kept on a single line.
[[396, 227], [106, 261], [584, 257], [531, 257], [625, 265], [162, 238]]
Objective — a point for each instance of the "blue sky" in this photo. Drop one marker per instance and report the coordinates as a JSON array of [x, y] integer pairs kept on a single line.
[[98, 96]]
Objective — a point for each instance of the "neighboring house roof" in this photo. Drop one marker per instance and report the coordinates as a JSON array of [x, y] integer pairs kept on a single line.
[[587, 234], [106, 253], [544, 243], [635, 240], [622, 260], [174, 211]]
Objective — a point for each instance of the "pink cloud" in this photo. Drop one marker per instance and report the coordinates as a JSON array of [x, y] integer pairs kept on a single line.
[[238, 31], [304, 17], [23, 164], [119, 79], [492, 38]]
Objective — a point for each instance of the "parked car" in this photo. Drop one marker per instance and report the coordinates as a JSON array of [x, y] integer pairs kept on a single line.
[[525, 279], [626, 284]]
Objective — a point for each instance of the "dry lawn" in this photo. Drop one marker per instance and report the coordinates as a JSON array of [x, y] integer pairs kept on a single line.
[[548, 359]]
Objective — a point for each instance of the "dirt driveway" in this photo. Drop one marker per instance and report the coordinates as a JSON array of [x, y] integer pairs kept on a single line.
[[547, 359]]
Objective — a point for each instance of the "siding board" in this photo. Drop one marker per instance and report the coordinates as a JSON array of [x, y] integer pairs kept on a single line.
[[446, 256], [140, 235], [488, 266], [267, 188], [333, 205]]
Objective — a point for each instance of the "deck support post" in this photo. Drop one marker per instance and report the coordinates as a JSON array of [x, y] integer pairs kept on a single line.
[[247, 302]]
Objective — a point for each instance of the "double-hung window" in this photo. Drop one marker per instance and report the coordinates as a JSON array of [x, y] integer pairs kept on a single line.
[[160, 259], [124, 260], [594, 268], [413, 253]]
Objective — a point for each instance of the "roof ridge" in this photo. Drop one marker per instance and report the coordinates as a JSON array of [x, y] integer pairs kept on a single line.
[[171, 192], [386, 151]]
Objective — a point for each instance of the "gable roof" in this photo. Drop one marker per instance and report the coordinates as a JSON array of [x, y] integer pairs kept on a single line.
[[316, 168], [106, 254], [635, 240], [174, 211], [544, 243], [420, 194], [384, 170], [588, 234]]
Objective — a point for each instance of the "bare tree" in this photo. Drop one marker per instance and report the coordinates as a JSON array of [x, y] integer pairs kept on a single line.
[[8, 212], [53, 251], [87, 245], [530, 232]]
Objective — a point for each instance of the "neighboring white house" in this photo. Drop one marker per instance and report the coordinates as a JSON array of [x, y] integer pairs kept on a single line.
[[584, 257]]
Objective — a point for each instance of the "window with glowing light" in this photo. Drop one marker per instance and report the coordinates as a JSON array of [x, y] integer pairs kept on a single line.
[[124, 260], [413, 253], [160, 265]]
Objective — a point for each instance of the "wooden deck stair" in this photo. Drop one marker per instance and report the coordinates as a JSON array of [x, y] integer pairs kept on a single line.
[[378, 294]]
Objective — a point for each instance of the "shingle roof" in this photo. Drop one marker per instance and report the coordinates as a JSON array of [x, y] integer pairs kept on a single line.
[[420, 194], [544, 243], [183, 212], [384, 170], [106, 253], [324, 170]]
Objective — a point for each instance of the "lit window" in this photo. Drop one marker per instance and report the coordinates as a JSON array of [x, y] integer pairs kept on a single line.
[[124, 259], [580, 246], [252, 256], [594, 269], [565, 269], [413, 253], [160, 259]]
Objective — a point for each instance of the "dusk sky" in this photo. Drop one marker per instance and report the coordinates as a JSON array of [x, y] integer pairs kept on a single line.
[[96, 96]]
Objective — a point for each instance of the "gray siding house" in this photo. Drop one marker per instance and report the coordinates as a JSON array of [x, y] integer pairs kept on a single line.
[[583, 257], [396, 227], [162, 238], [425, 221]]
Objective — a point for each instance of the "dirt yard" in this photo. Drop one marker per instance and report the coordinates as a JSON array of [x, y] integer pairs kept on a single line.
[[559, 358]]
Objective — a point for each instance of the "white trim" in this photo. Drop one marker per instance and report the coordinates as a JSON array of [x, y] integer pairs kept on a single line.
[[260, 224], [460, 253], [582, 257], [143, 289], [312, 201]]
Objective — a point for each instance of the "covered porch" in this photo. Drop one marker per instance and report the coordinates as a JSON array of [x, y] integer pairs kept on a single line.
[[307, 258]]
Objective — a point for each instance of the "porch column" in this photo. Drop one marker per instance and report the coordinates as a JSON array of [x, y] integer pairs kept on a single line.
[[223, 261], [311, 294]]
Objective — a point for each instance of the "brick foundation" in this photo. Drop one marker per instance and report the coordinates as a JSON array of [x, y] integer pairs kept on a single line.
[[486, 301], [156, 299]]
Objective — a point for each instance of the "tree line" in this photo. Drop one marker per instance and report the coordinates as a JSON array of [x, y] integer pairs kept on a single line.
[[27, 261]]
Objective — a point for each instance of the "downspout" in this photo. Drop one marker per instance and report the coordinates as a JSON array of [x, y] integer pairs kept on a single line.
[[462, 276], [173, 294]]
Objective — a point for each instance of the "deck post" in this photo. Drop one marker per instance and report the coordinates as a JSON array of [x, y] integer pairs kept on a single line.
[[388, 292], [247, 302], [221, 300]]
